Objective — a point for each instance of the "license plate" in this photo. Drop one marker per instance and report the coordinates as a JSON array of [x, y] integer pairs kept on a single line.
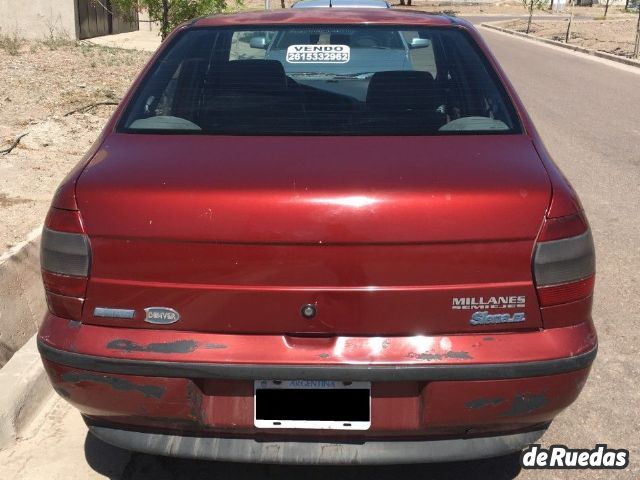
[[312, 404]]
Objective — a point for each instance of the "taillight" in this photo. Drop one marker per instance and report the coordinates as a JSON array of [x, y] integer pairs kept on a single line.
[[65, 258], [564, 262]]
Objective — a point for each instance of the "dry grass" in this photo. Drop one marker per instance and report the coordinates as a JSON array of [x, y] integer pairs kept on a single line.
[[41, 81], [11, 43], [614, 36]]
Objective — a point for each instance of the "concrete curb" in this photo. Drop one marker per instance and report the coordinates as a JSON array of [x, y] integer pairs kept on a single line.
[[24, 387], [575, 48], [22, 301]]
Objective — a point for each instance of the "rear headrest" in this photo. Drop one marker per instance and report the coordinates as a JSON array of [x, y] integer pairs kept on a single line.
[[340, 39], [262, 76], [398, 91]]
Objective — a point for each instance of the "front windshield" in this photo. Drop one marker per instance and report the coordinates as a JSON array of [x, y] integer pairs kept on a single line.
[[322, 80]]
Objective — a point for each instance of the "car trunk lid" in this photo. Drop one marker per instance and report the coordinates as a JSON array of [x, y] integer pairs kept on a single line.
[[384, 235]]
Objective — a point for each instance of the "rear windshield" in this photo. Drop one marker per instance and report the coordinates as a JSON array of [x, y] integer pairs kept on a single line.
[[321, 80]]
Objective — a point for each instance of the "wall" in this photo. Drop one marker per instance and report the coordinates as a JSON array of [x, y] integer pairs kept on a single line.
[[38, 19], [146, 25]]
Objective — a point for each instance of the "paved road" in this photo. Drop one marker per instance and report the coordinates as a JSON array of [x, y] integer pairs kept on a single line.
[[589, 113]]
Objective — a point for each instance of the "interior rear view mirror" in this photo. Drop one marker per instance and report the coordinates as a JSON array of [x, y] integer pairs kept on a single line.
[[258, 42], [419, 42]]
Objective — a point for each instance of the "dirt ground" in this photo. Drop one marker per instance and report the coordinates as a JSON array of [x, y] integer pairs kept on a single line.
[[39, 83], [615, 36]]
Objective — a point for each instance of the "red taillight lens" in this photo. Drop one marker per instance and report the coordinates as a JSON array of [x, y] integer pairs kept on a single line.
[[564, 261], [567, 292], [65, 258], [563, 227]]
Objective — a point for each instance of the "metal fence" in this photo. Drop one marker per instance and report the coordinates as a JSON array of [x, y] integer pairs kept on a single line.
[[97, 18]]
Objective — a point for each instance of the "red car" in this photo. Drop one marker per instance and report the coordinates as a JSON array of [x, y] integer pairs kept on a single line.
[[319, 236]]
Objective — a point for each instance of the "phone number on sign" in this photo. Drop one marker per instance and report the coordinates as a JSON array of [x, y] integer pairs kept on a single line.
[[320, 57]]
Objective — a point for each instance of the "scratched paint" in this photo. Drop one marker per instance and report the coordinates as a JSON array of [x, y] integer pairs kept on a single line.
[[426, 356], [458, 355], [524, 403], [430, 356], [484, 402], [120, 384], [180, 346], [214, 346], [194, 398]]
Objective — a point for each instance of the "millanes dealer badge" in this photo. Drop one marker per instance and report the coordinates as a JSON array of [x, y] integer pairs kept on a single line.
[[485, 303], [483, 317]]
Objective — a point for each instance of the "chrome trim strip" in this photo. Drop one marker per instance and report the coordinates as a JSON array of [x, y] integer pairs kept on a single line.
[[114, 313]]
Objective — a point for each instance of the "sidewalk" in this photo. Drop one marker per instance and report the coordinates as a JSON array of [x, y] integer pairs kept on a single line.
[[57, 447], [144, 40]]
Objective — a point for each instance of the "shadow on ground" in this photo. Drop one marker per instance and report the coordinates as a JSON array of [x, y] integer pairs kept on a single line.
[[118, 464]]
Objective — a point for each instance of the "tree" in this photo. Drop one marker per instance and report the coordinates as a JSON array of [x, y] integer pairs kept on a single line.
[[567, 37], [530, 5], [636, 49], [170, 13]]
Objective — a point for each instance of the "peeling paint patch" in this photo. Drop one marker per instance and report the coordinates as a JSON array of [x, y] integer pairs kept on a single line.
[[458, 355], [62, 392], [74, 324], [194, 398], [324, 355], [120, 384], [213, 346], [484, 402], [181, 346], [428, 356], [488, 339], [526, 403]]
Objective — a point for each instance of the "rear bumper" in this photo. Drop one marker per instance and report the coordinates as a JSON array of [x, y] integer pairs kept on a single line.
[[434, 398], [173, 353], [374, 373], [317, 453]]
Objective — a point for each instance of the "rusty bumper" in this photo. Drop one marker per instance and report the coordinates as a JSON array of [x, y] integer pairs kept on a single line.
[[160, 391]]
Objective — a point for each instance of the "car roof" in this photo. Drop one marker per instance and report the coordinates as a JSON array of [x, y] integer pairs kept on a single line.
[[341, 4], [338, 16]]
